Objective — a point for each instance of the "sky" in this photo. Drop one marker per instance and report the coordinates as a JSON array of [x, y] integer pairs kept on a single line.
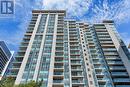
[[90, 11]]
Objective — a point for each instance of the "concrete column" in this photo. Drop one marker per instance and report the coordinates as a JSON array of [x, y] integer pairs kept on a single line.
[[25, 59], [50, 77], [119, 48], [40, 52]]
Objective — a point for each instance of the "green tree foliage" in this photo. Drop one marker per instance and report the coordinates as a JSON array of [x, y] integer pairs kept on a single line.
[[9, 82]]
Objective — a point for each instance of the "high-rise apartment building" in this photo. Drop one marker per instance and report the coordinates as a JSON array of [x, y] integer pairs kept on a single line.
[[67, 53], [129, 46], [6, 58]]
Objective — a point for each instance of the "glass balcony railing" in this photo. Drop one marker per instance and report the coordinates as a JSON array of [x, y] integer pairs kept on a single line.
[[98, 62], [22, 50], [59, 54], [77, 81], [19, 56], [104, 79], [100, 27], [59, 41], [58, 66], [57, 81], [74, 48], [75, 53], [120, 74], [76, 62], [59, 45], [114, 62], [59, 61], [74, 45], [101, 73], [77, 74], [58, 73], [111, 49], [16, 66], [121, 80], [76, 67], [27, 37], [118, 68]]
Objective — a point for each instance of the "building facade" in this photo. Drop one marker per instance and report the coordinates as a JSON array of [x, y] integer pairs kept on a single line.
[[6, 58], [65, 53]]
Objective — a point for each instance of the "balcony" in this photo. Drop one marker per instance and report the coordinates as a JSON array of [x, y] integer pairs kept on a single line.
[[58, 76], [98, 62], [106, 42], [22, 46], [120, 74], [110, 53], [58, 73], [105, 39], [77, 73], [58, 66], [111, 50], [76, 76], [76, 58], [58, 81], [101, 73], [26, 38], [59, 45], [60, 33], [22, 51], [73, 35], [74, 41], [59, 54], [75, 53], [74, 49], [59, 38], [60, 51], [19, 56], [76, 70], [28, 34], [76, 67], [108, 46], [77, 82], [103, 80], [29, 30], [115, 62], [121, 80], [72, 32], [74, 45], [17, 63], [100, 27], [59, 48], [117, 68], [101, 68], [58, 85], [59, 61], [76, 62], [59, 41], [14, 69]]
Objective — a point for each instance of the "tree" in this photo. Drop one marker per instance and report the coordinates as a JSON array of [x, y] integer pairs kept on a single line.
[[39, 83], [28, 84], [9, 82]]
